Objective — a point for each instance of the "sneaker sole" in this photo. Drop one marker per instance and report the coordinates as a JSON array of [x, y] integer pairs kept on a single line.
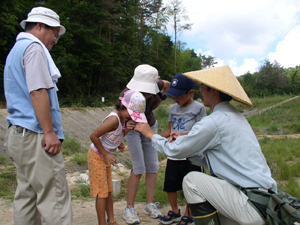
[[134, 222], [156, 217]]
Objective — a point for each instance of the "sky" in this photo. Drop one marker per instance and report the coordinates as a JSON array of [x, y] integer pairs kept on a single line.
[[242, 33]]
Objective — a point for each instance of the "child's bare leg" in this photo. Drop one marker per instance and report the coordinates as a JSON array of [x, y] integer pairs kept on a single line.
[[172, 196], [188, 212], [100, 208], [110, 208]]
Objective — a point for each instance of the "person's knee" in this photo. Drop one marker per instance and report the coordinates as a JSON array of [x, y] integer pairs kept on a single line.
[[190, 177], [138, 170], [152, 170], [139, 175], [189, 186], [152, 165]]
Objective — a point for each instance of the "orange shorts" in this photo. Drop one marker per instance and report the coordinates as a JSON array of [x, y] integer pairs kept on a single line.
[[100, 175]]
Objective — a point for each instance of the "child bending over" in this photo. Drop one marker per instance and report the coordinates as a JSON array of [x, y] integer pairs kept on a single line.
[[105, 140]]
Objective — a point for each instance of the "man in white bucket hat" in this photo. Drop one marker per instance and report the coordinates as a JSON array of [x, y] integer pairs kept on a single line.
[[35, 131], [224, 142]]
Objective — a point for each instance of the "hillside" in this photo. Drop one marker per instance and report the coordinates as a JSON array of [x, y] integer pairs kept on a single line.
[[79, 123]]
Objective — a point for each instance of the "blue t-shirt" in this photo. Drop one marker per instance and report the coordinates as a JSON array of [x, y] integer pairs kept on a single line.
[[184, 118]]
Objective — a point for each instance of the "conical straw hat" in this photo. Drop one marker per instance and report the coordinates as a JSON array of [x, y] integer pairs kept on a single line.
[[222, 79]]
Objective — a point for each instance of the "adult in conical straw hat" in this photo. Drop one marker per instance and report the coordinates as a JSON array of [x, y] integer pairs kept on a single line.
[[225, 143], [223, 80]]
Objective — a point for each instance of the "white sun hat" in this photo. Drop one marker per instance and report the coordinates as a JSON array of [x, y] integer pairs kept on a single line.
[[222, 79], [144, 79], [46, 16]]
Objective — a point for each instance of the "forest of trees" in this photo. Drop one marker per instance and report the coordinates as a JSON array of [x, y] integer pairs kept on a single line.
[[271, 79], [104, 42], [107, 39]]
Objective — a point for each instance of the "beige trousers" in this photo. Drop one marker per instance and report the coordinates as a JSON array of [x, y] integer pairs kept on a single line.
[[42, 190], [231, 204]]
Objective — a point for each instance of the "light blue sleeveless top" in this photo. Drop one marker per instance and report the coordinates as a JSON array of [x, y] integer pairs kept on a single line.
[[17, 96]]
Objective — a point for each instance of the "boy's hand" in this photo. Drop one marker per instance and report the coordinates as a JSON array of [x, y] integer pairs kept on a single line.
[[174, 136], [121, 147]]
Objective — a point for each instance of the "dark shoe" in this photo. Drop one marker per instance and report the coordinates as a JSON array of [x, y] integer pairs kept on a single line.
[[170, 218]]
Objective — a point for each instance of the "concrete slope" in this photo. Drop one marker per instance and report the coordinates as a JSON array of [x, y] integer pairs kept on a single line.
[[81, 123], [77, 123]]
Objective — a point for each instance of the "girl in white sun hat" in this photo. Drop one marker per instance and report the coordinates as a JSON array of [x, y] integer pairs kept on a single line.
[[143, 156]]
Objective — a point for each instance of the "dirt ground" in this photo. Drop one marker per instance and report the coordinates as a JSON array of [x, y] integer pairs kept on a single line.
[[84, 212]]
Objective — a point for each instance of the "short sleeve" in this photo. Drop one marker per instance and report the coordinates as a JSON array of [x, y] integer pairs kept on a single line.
[[36, 68]]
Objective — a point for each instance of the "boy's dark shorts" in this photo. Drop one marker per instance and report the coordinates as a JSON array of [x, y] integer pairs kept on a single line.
[[175, 172]]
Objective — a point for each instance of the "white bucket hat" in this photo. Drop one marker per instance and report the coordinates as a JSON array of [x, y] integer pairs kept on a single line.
[[144, 79], [222, 79], [46, 16]]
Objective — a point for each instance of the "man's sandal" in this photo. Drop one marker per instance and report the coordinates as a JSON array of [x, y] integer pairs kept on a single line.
[[111, 222]]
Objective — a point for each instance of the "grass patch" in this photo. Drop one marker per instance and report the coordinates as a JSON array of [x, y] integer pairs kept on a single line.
[[82, 190], [2, 159], [8, 181], [70, 145], [162, 115], [286, 116], [260, 103], [81, 158], [121, 174], [283, 158]]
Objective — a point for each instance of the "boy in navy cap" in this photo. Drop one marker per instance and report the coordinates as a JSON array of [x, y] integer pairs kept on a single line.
[[183, 115]]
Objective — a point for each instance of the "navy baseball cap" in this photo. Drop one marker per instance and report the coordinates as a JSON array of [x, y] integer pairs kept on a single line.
[[180, 85]]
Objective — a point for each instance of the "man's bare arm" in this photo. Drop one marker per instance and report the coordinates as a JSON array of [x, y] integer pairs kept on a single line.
[[41, 105]]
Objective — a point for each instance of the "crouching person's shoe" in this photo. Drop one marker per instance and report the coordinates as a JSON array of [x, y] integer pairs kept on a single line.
[[204, 214]]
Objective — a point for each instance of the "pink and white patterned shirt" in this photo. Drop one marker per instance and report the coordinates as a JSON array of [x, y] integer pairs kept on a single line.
[[111, 140]]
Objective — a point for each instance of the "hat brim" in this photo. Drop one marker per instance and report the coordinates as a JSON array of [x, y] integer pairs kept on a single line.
[[222, 79], [145, 87], [175, 92], [47, 21], [137, 116]]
